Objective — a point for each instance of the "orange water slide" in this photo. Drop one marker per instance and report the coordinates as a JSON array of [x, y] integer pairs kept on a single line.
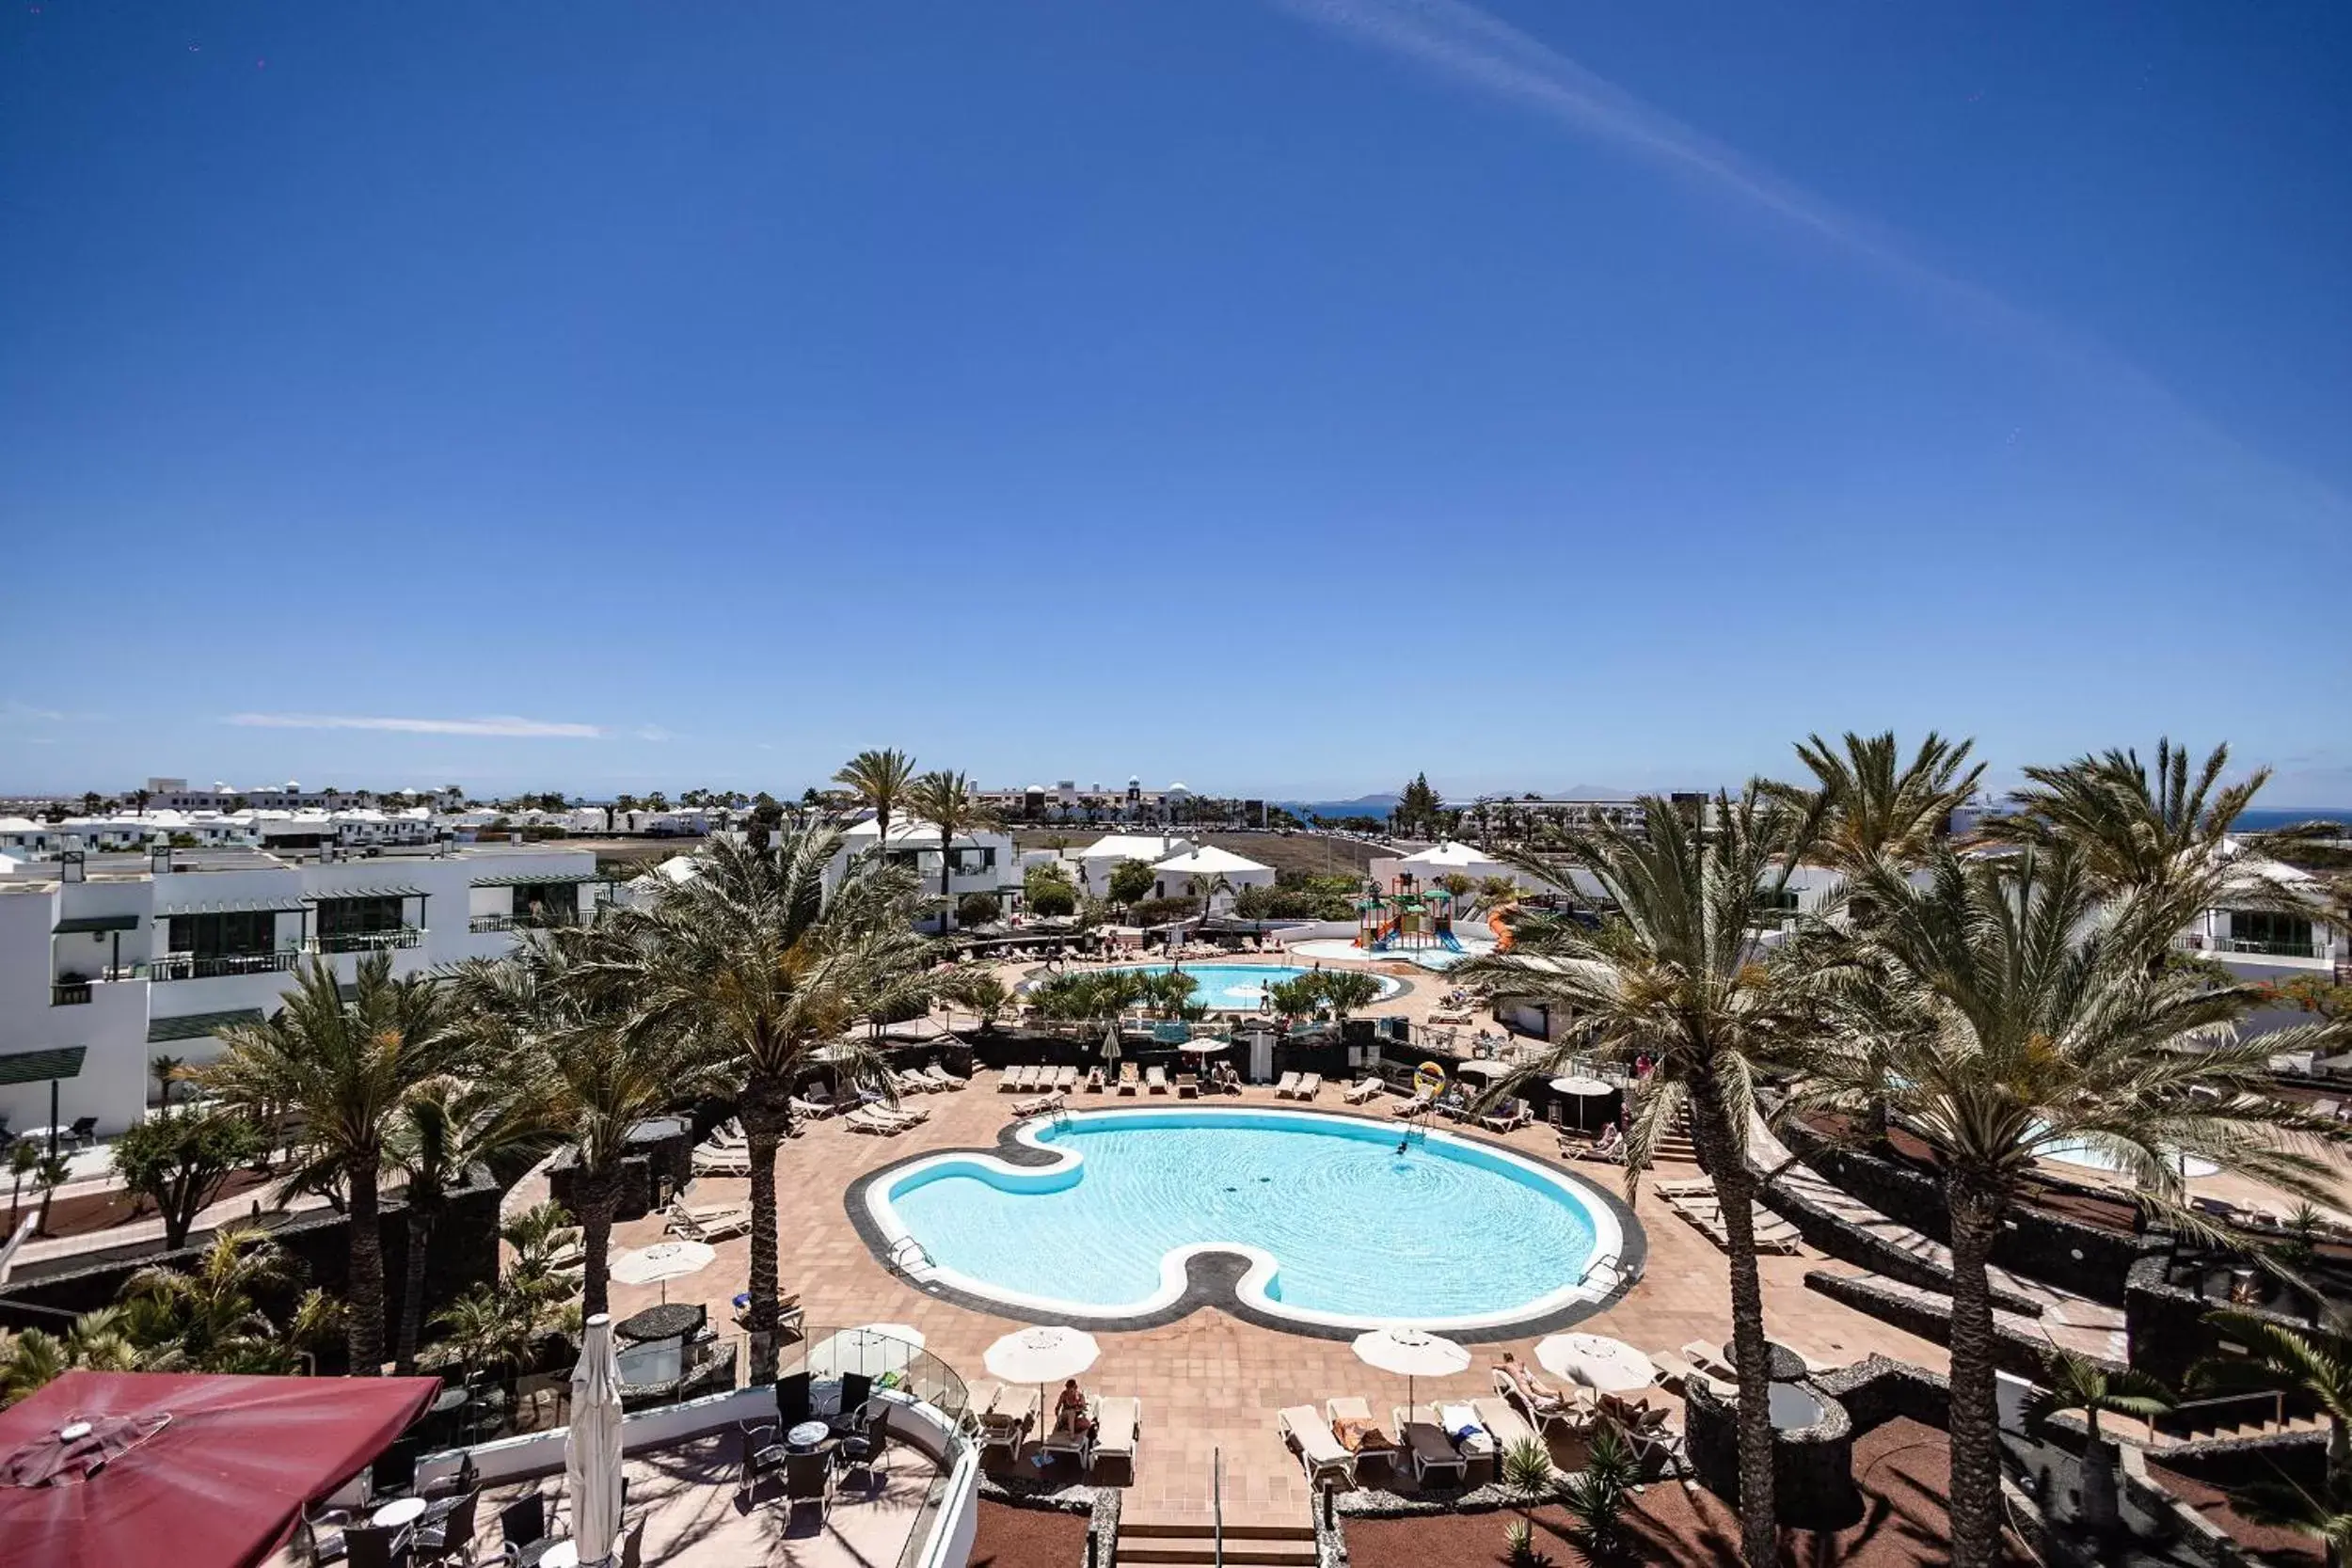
[[1502, 931]]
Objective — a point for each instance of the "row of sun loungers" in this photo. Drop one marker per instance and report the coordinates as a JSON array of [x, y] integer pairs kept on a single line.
[[1695, 1202], [712, 1222], [1003, 1415], [1034, 1080]]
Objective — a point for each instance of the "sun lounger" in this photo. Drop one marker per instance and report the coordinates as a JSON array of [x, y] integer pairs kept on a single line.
[[1286, 1085], [1187, 1085], [1117, 1428], [1567, 1411], [1041, 1105], [677, 1214], [824, 1099], [1058, 1439], [1093, 1081], [808, 1110], [1504, 1423], [1425, 1444], [1414, 1106], [715, 1227], [1324, 1458], [1065, 1080], [1155, 1079], [865, 1118], [728, 1162], [1350, 1420], [1005, 1415], [1013, 1078], [1363, 1091], [1711, 1359], [1697, 1186], [1513, 1116], [1127, 1079], [941, 1078], [1310, 1086]]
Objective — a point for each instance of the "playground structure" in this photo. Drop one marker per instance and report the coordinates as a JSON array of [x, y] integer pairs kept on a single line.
[[1405, 919]]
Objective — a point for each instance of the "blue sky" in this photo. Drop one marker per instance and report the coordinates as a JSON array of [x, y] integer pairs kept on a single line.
[[1281, 397]]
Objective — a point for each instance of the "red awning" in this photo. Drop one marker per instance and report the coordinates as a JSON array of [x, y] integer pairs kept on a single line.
[[220, 1484]]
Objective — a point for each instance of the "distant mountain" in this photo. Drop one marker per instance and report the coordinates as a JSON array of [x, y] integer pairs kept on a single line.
[[1363, 805]]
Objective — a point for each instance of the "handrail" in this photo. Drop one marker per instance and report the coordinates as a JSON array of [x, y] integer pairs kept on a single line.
[[898, 1250], [2273, 1401], [1612, 1258], [1216, 1504]]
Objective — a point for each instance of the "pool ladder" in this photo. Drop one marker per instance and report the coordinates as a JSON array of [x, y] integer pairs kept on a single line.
[[906, 1251]]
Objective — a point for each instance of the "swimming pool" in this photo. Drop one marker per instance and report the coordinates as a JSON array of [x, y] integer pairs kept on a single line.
[[1241, 987], [1338, 1227], [2074, 1152]]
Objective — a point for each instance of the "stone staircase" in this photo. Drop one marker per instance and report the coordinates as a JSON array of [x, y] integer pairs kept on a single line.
[[1193, 1540]]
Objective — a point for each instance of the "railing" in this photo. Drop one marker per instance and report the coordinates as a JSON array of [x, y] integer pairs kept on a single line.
[[2193, 941], [69, 993], [365, 941], [483, 923], [2227, 1410], [187, 966]]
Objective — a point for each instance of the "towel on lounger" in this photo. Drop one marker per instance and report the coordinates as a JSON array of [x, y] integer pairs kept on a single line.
[[1460, 1423]]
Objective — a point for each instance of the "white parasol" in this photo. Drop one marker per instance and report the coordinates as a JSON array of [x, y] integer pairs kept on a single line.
[[591, 1446], [1480, 1066], [1610, 1366], [1041, 1355], [1412, 1353], [660, 1263], [1110, 1042], [1580, 1089]]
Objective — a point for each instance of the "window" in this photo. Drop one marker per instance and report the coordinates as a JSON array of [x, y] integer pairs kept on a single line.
[[2270, 931], [224, 936], [361, 917], [547, 901]]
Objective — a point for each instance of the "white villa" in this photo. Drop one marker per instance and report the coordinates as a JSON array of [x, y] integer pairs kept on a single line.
[[108, 960], [1208, 873], [985, 859], [1443, 859], [1094, 863]]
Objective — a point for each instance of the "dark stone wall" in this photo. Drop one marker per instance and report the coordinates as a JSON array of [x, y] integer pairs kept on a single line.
[[2165, 1322], [2015, 1353], [2086, 1260]]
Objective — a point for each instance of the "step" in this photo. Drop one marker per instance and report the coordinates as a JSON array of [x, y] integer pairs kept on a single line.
[[1233, 1528], [1193, 1549]]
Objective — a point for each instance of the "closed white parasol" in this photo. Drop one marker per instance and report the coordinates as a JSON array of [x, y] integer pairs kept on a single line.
[[591, 1446]]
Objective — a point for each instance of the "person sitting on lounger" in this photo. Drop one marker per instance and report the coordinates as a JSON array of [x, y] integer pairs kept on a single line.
[[1070, 1411], [1539, 1393]]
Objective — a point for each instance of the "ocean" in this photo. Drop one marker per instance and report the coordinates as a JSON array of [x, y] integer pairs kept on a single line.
[[2262, 820]]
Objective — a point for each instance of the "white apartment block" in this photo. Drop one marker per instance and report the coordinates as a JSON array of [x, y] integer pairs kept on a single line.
[[168, 794], [985, 861], [107, 960]]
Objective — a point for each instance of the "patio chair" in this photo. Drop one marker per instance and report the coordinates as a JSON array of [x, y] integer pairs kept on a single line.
[[451, 1534], [864, 1450], [1118, 1426], [808, 1478], [1324, 1458], [522, 1524], [1310, 1086], [1155, 1079], [376, 1546], [84, 1130], [1286, 1085], [763, 1456], [793, 1399]]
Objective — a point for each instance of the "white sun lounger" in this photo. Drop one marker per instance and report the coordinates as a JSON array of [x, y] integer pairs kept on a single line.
[[1118, 1426], [1286, 1085], [941, 1078], [729, 1162], [1324, 1457], [1310, 1086], [1155, 1079], [1363, 1091], [1065, 1080], [1038, 1106]]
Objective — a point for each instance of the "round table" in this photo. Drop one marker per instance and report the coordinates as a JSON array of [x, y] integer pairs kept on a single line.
[[667, 1322], [400, 1511], [806, 1436], [563, 1554]]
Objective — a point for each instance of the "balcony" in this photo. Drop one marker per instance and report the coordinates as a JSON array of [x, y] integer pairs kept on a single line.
[[365, 941], [486, 923], [69, 993], [187, 966], [2191, 941]]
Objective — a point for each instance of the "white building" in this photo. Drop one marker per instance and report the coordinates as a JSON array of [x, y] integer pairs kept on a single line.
[[1447, 858], [108, 960], [1208, 873], [1094, 863], [985, 861]]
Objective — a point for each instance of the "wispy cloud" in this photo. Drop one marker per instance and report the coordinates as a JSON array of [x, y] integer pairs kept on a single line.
[[529, 729], [653, 731], [1459, 40], [14, 712]]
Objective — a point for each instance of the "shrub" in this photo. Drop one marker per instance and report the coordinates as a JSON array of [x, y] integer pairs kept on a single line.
[[178, 1163], [979, 908], [1053, 900], [1159, 911], [1131, 881]]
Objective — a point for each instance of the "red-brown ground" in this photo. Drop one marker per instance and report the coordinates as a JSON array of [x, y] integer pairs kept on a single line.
[[1902, 1467], [88, 1215], [1027, 1538], [2275, 1545]]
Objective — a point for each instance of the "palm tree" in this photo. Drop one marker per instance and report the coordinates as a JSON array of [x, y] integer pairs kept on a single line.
[[2316, 1365], [343, 1070], [2132, 830], [23, 1160], [882, 780], [945, 801], [165, 1070], [753, 968], [2075, 1381], [1677, 972], [2008, 1007], [209, 1318], [444, 1133], [558, 1011], [33, 1357], [1876, 810]]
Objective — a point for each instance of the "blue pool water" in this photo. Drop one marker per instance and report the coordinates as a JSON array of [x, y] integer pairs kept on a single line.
[[1240, 988], [1358, 1231]]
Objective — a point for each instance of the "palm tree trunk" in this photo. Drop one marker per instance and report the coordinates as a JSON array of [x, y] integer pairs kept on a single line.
[[364, 1331], [1976, 1485], [1735, 1188], [767, 1121], [596, 1194], [412, 1283], [946, 870]]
